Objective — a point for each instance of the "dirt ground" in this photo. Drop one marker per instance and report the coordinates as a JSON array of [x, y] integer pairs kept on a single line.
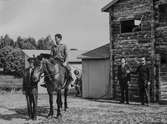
[[81, 111]]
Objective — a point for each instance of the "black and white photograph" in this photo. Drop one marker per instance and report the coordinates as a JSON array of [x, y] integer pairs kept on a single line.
[[83, 61]]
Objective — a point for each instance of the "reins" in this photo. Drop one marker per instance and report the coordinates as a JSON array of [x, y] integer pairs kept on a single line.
[[49, 75], [46, 73]]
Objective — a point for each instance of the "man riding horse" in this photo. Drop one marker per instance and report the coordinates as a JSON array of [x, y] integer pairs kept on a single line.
[[57, 75], [59, 52]]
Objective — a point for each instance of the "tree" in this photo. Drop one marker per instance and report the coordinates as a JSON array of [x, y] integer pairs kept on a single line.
[[26, 43], [3, 53], [6, 41], [12, 60], [45, 43], [18, 43]]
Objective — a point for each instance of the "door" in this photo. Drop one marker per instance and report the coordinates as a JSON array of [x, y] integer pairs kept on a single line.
[[163, 78], [98, 78]]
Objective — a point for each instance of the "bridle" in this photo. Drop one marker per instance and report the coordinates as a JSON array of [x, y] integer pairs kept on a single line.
[[48, 73]]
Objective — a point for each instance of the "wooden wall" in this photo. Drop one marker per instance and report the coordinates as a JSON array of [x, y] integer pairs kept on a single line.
[[131, 45], [96, 79], [150, 42], [161, 49]]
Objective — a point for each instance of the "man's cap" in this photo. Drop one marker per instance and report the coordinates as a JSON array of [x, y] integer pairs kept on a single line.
[[31, 60]]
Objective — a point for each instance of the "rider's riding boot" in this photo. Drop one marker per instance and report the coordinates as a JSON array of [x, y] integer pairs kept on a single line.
[[65, 107], [34, 118], [70, 77], [50, 114]]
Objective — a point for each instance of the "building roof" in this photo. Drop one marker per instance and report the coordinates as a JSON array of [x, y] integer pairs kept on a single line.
[[109, 5], [102, 52], [73, 54], [31, 53]]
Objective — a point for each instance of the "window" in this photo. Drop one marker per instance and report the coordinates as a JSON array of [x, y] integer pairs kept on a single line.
[[163, 13], [130, 26], [163, 63]]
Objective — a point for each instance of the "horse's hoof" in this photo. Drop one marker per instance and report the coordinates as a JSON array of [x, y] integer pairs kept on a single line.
[[34, 119], [61, 105], [58, 116], [50, 116], [65, 109]]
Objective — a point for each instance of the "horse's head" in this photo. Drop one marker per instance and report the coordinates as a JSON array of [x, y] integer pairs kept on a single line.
[[53, 70], [37, 72], [47, 63], [40, 64]]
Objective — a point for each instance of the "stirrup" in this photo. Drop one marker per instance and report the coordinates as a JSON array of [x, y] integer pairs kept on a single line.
[[43, 85]]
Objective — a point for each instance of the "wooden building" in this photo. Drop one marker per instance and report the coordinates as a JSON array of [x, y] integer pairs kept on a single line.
[[139, 28], [95, 73]]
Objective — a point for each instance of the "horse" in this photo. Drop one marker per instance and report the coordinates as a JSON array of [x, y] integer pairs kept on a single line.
[[55, 76]]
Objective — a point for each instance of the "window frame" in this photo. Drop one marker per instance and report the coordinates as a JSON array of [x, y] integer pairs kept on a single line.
[[159, 18], [129, 19]]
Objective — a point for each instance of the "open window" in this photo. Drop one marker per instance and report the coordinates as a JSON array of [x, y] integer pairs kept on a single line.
[[163, 13], [130, 26]]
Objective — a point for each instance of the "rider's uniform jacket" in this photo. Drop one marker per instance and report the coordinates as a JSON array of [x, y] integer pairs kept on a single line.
[[59, 52]]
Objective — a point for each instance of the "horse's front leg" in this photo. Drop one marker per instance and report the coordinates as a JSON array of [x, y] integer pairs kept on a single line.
[[65, 98], [59, 103], [51, 105]]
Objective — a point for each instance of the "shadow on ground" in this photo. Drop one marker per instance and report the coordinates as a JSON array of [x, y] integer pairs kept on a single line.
[[21, 113]]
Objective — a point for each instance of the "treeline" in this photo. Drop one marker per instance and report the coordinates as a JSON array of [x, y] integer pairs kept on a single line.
[[12, 56], [26, 43]]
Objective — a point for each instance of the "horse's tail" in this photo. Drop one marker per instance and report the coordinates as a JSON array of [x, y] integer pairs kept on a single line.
[[66, 84]]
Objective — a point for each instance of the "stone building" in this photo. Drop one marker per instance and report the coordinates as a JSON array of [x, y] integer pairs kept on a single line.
[[139, 28]]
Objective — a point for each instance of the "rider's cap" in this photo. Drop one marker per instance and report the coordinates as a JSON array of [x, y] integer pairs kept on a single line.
[[30, 60]]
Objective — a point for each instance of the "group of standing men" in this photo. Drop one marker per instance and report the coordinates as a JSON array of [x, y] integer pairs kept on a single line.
[[124, 77]]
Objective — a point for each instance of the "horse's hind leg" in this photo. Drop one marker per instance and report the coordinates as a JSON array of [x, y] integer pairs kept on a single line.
[[59, 102], [51, 105], [65, 98]]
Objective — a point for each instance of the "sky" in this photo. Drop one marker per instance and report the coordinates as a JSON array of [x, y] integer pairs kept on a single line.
[[81, 22]]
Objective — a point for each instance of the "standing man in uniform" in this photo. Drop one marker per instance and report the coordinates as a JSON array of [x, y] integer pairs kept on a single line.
[[144, 81], [30, 89], [124, 78]]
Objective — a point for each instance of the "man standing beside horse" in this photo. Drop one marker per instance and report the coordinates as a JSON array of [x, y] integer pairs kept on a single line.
[[30, 90]]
